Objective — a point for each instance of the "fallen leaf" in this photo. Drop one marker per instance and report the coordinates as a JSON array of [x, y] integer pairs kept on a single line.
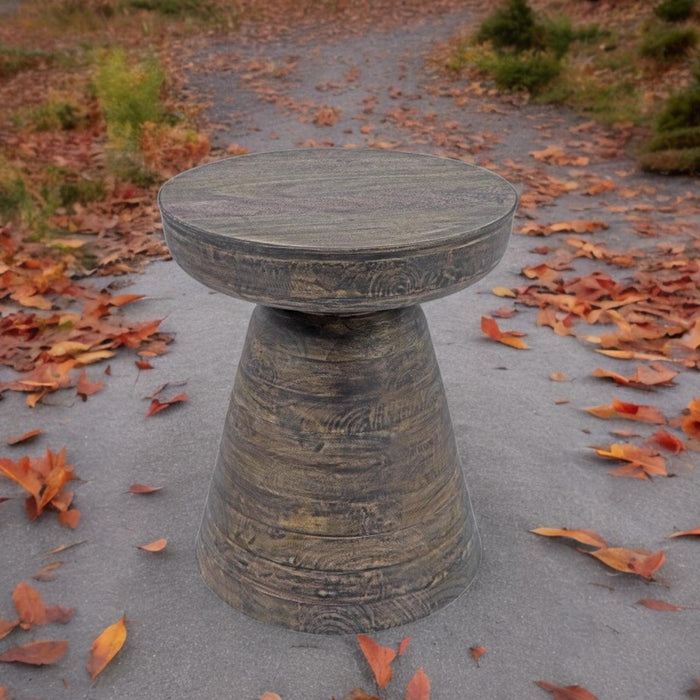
[[46, 573], [654, 604], [39, 653], [359, 694], [156, 546], [326, 116], [6, 626], [631, 561], [588, 537], [569, 692], [503, 292], [690, 422], [403, 645], [63, 548], [59, 614], [29, 606], [418, 687], [378, 657], [643, 377], [641, 462], [23, 438], [4, 693], [157, 405], [558, 377], [669, 442], [477, 653], [70, 518], [490, 328], [85, 387], [695, 532], [106, 647], [631, 411], [270, 696], [695, 691], [144, 364], [142, 488]]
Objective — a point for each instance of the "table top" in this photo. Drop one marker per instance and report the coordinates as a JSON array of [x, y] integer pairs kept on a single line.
[[254, 226]]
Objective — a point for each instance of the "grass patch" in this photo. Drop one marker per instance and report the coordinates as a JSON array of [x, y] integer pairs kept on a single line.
[[14, 59], [14, 195], [684, 161], [666, 45], [681, 110], [521, 71], [674, 10], [174, 8]]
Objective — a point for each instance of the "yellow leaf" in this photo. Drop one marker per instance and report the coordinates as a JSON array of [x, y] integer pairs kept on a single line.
[[106, 647], [503, 292]]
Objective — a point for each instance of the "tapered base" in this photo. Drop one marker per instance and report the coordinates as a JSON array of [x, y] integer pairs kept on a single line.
[[338, 503]]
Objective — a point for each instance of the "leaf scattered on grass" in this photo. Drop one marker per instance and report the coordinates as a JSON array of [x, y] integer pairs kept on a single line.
[[106, 647], [39, 653]]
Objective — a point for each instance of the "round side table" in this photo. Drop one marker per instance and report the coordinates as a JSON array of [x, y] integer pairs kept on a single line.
[[337, 502]]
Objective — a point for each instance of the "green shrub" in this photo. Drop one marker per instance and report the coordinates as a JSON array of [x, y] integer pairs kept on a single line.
[[559, 35], [173, 8], [512, 26], [668, 44], [682, 110], [129, 95], [55, 114], [686, 137], [674, 10], [526, 71], [672, 161]]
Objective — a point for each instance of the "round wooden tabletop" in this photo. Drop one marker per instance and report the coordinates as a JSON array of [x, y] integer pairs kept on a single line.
[[337, 230]]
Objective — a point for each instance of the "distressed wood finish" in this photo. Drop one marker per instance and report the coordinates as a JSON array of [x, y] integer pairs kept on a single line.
[[336, 230], [337, 502]]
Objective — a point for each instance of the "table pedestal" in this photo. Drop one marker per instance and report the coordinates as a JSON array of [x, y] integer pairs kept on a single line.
[[338, 503]]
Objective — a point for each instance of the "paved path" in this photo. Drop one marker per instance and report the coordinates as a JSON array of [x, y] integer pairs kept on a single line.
[[541, 609]]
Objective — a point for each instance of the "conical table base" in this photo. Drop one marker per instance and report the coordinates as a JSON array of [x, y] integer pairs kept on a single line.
[[338, 503]]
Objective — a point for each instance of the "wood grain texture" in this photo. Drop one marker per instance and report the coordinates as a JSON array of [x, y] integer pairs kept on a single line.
[[337, 230], [338, 502]]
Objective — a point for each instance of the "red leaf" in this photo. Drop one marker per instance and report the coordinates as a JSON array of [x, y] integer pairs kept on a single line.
[[418, 687], [157, 406], [654, 604], [669, 442], [490, 328], [631, 411], [141, 488], [36, 653], [70, 518], [144, 364], [477, 653], [379, 659], [570, 692], [403, 645]]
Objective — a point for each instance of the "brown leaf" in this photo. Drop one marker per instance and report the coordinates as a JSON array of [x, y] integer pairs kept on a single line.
[[326, 116], [418, 687], [378, 657], [29, 606], [59, 614], [46, 573], [63, 548], [654, 604], [142, 488], [23, 438], [106, 647], [631, 411], [270, 696], [359, 694], [21, 473], [38, 653], [157, 405], [558, 377], [85, 387], [690, 423], [695, 532], [4, 693], [144, 364], [569, 692], [631, 561], [588, 537], [70, 518], [477, 653], [643, 377], [490, 328], [403, 645], [6, 626], [156, 546], [694, 692]]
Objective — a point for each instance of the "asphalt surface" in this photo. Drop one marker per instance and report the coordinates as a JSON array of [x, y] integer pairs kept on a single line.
[[540, 608]]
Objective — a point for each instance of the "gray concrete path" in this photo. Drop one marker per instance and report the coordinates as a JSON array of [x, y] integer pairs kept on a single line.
[[541, 609]]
